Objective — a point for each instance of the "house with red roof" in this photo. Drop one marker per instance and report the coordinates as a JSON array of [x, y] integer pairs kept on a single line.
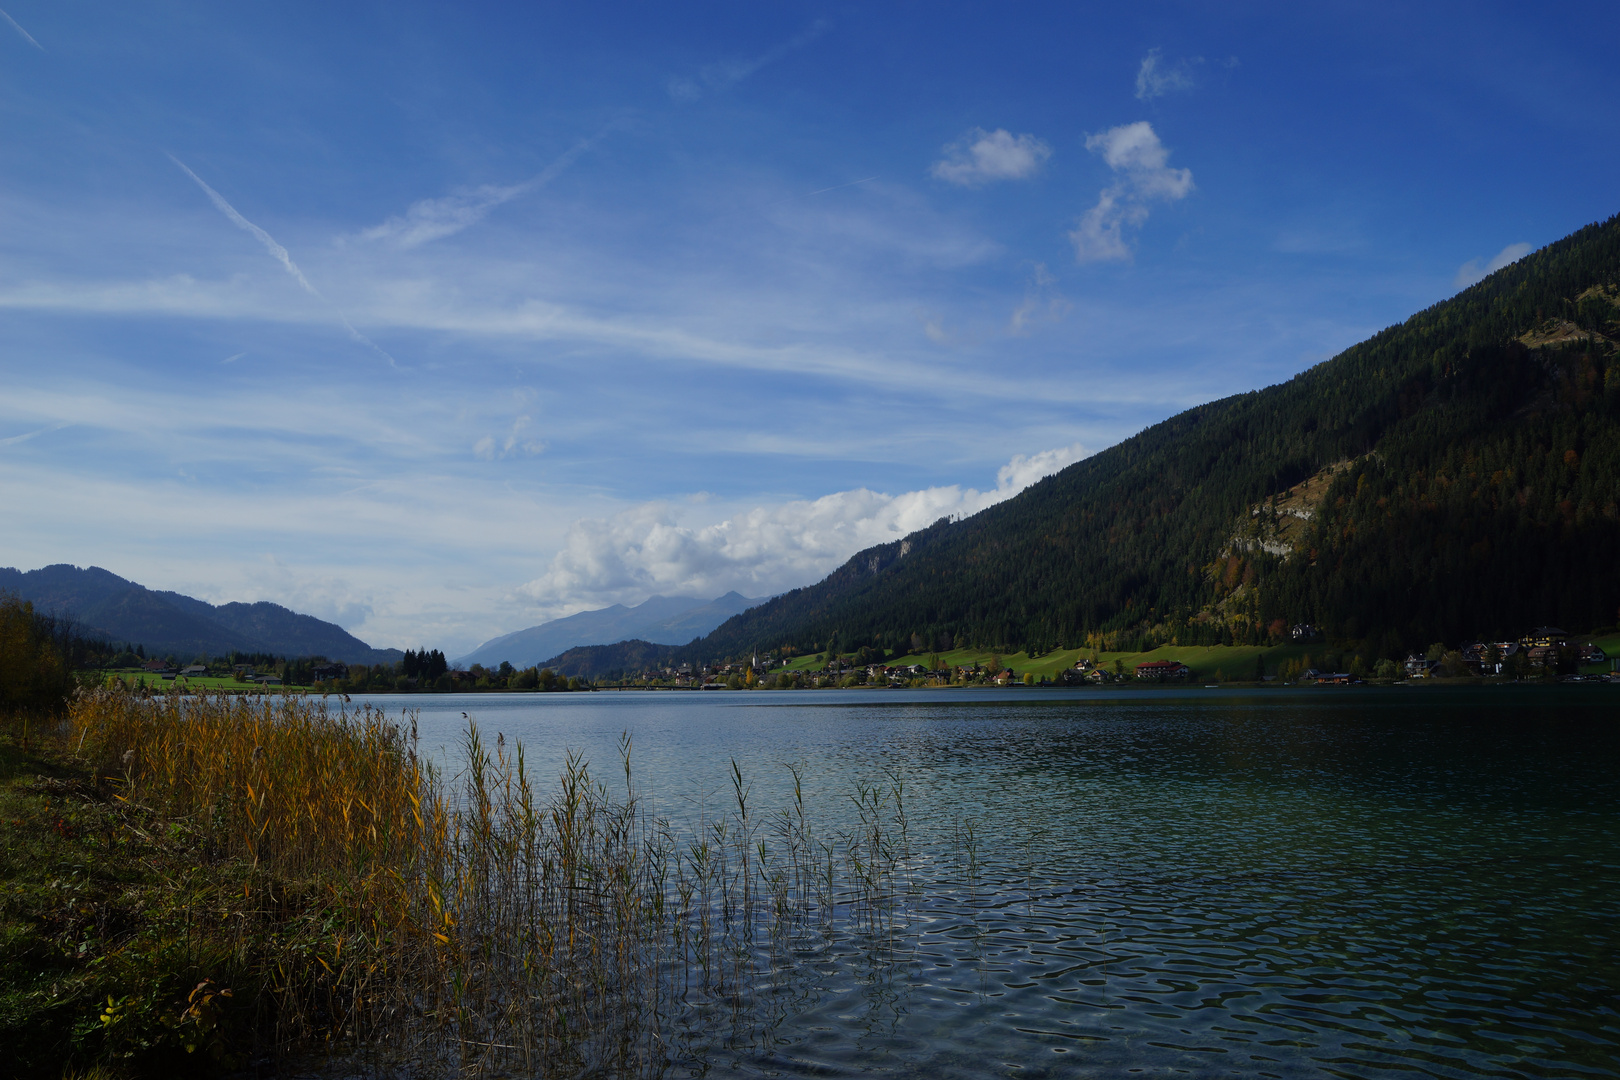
[[1162, 671]]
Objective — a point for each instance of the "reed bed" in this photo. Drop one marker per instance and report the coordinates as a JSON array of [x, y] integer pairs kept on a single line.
[[471, 925]]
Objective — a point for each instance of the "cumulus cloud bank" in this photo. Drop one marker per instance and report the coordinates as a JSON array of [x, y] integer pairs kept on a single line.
[[645, 550], [1474, 271], [1143, 175], [981, 157]]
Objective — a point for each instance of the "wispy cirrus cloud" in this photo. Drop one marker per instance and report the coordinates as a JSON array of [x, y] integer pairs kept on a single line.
[[281, 255], [1041, 302], [981, 157], [1141, 164], [512, 443], [646, 549], [434, 219], [646, 337], [15, 439], [1155, 78], [1477, 270], [720, 76], [25, 34]]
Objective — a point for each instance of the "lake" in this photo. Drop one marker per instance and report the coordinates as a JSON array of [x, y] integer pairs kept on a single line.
[[1328, 882]]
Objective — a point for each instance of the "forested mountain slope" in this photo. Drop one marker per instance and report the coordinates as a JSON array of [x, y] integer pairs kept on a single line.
[[1479, 453]]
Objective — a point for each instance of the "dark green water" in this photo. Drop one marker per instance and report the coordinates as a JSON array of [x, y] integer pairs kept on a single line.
[[1364, 883]]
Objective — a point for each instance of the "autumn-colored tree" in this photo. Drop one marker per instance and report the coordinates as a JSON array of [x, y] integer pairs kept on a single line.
[[33, 674]]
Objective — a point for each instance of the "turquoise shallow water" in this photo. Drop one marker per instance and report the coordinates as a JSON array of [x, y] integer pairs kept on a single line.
[[1364, 883]]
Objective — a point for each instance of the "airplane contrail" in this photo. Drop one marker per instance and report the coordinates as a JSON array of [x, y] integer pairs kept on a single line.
[[15, 439], [835, 187], [281, 255], [820, 191], [26, 35], [276, 251]]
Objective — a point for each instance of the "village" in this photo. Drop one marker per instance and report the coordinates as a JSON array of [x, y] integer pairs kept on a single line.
[[1543, 653]]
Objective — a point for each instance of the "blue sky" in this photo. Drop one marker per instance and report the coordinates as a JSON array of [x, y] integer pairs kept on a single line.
[[443, 320]]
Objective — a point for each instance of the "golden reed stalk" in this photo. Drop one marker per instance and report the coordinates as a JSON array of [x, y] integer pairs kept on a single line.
[[479, 928]]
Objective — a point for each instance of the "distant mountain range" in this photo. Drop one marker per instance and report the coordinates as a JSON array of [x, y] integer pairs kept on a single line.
[[663, 620], [170, 622]]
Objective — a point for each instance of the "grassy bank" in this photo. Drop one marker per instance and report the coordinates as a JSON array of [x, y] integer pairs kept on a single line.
[[198, 885], [176, 898]]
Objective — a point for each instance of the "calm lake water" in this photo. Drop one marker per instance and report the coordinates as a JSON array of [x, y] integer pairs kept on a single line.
[[1361, 883]]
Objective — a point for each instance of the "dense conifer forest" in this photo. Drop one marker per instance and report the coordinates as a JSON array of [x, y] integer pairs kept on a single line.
[[1475, 472]]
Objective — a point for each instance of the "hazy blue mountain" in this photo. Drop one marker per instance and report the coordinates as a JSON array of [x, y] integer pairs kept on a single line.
[[170, 622], [664, 620]]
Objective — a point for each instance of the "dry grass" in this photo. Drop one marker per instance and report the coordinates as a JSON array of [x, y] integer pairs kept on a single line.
[[479, 927]]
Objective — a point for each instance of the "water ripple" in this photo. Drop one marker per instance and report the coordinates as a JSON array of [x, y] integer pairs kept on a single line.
[[1287, 885]]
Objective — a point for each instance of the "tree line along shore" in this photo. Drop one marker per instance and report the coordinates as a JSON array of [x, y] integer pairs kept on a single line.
[[1254, 665], [43, 657]]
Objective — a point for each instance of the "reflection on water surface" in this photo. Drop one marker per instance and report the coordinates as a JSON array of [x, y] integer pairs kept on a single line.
[[1205, 883]]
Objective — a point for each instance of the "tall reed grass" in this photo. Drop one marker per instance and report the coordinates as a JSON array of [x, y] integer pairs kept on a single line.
[[474, 925]]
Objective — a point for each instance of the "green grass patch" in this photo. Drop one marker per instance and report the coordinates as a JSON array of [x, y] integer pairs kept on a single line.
[[136, 679], [120, 927]]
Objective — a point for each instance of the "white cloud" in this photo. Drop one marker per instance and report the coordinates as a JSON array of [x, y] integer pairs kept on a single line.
[[434, 219], [728, 73], [1472, 271], [646, 550], [981, 156], [511, 444], [1022, 471], [1141, 165], [443, 309], [1041, 301], [332, 597], [15, 439], [934, 329], [1155, 78]]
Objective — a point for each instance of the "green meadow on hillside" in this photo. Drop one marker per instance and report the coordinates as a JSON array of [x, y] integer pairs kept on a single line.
[[1234, 662], [135, 678], [1228, 662]]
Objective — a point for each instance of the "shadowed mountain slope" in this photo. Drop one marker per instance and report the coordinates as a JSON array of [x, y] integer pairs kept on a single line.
[[169, 622], [1475, 469]]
